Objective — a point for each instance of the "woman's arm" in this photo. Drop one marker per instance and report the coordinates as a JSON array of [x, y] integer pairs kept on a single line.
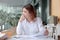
[[19, 26], [40, 33], [18, 29], [42, 30]]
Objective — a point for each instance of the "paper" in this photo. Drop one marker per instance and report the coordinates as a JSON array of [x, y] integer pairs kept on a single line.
[[2, 34], [17, 37]]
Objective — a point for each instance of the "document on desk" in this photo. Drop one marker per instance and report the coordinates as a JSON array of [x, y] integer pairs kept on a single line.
[[17, 37]]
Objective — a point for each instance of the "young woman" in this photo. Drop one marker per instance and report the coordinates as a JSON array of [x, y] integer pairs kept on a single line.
[[29, 24]]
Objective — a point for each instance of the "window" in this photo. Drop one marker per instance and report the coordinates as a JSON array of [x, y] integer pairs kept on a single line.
[[9, 16]]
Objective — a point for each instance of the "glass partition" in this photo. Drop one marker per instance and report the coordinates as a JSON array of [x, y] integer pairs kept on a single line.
[[9, 16]]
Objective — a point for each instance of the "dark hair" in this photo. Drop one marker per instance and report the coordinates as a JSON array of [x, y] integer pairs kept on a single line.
[[30, 9]]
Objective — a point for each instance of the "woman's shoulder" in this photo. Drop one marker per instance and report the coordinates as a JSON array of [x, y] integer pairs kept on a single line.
[[38, 18]]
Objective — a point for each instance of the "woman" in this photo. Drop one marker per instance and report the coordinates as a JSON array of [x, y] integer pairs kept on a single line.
[[29, 24]]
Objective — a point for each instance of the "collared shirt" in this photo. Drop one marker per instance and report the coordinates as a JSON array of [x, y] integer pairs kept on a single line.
[[30, 28]]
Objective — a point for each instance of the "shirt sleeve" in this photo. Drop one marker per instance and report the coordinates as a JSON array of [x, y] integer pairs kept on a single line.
[[19, 28], [40, 28]]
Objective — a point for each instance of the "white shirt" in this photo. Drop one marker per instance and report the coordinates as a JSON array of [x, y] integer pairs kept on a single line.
[[30, 28]]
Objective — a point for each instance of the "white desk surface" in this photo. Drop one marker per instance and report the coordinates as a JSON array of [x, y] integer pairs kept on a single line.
[[31, 38]]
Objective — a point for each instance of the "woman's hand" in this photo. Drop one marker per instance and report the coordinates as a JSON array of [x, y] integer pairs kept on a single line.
[[46, 32], [21, 18]]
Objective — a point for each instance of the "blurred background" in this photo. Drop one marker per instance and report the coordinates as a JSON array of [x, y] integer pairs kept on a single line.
[[11, 10]]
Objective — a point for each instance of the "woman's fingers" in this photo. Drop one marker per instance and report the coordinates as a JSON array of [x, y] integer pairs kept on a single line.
[[21, 18], [46, 32]]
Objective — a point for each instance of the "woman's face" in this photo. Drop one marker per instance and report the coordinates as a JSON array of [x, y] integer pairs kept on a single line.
[[26, 13]]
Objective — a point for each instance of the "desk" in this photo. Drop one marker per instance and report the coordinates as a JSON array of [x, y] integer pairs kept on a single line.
[[30, 38]]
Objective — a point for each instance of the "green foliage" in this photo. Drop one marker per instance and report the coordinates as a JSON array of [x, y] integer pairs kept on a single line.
[[11, 18]]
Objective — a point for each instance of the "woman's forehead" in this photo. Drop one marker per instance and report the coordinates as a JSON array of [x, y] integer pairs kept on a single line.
[[24, 9]]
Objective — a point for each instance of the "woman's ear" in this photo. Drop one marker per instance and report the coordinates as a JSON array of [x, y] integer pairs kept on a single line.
[[21, 18]]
